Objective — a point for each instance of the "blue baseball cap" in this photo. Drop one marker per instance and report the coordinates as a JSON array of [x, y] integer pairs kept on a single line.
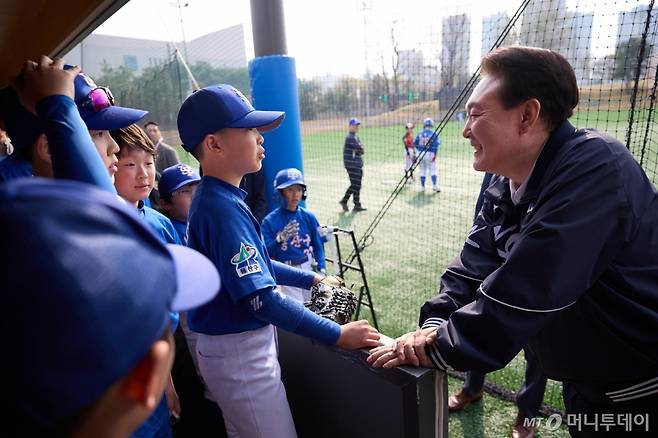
[[288, 177], [97, 109], [87, 289], [175, 177], [95, 105], [216, 107], [354, 121], [428, 122]]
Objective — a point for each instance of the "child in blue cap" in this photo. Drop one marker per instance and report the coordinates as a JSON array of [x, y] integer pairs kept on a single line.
[[177, 185], [27, 127], [291, 232], [236, 349]]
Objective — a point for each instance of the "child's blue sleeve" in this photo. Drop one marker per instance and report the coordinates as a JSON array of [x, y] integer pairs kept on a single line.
[[289, 314], [73, 153], [288, 276], [417, 140]]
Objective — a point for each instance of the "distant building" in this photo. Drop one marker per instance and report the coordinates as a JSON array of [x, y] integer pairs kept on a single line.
[[410, 64], [223, 48], [455, 56], [550, 25], [631, 24], [455, 48], [492, 28]]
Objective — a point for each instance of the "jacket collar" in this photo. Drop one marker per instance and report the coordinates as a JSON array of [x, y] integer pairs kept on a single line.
[[548, 154]]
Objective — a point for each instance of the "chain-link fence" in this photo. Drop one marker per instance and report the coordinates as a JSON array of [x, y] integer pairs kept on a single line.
[[420, 61]]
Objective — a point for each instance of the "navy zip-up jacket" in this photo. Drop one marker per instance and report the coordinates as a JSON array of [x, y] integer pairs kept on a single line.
[[352, 152], [571, 271]]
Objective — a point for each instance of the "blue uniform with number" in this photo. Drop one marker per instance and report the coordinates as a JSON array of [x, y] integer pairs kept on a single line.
[[304, 246], [427, 149]]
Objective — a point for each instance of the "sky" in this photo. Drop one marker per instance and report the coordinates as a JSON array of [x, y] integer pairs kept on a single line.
[[339, 37]]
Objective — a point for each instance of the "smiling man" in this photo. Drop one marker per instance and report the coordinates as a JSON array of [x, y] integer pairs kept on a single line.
[[562, 257]]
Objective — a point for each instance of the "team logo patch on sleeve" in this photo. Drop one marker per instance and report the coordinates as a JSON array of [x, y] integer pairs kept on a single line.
[[245, 260]]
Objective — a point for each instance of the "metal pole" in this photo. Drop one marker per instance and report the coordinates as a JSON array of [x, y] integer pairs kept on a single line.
[[268, 27], [182, 28]]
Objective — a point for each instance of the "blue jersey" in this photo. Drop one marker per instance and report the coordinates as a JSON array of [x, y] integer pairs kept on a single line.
[[12, 168], [422, 141], [303, 246], [181, 229], [222, 228], [160, 224]]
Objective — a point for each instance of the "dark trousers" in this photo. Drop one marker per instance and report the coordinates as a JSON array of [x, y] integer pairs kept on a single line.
[[587, 415], [355, 174], [531, 394]]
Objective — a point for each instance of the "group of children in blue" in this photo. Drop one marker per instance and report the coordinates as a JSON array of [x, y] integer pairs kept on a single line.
[[220, 226]]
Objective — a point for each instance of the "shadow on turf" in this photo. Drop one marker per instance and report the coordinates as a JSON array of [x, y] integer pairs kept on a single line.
[[345, 219], [420, 199]]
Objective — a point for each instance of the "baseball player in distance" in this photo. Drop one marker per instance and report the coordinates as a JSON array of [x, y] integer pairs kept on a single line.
[[409, 150], [428, 159], [236, 346], [562, 258], [291, 232]]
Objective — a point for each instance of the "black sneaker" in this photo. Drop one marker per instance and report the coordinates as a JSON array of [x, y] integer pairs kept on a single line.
[[344, 205], [359, 208]]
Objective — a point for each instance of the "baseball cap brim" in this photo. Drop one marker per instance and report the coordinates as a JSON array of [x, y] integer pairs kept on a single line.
[[114, 117], [183, 183], [290, 183], [262, 120], [196, 278]]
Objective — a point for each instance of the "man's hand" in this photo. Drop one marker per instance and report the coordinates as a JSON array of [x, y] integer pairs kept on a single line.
[[357, 334], [409, 349], [43, 79]]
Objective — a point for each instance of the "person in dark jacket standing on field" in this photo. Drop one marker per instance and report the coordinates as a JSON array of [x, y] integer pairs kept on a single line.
[[562, 258], [353, 161]]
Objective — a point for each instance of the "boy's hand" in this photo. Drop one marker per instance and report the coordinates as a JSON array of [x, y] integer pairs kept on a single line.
[[43, 79], [357, 334]]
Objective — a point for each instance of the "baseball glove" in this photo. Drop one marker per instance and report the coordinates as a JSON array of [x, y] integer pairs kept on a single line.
[[331, 299]]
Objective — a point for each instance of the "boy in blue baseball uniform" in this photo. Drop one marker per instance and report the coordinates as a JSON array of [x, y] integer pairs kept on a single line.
[[177, 185], [236, 348], [292, 234], [135, 178], [428, 158]]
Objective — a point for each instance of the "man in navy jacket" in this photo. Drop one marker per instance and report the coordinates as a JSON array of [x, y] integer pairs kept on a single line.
[[562, 258]]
